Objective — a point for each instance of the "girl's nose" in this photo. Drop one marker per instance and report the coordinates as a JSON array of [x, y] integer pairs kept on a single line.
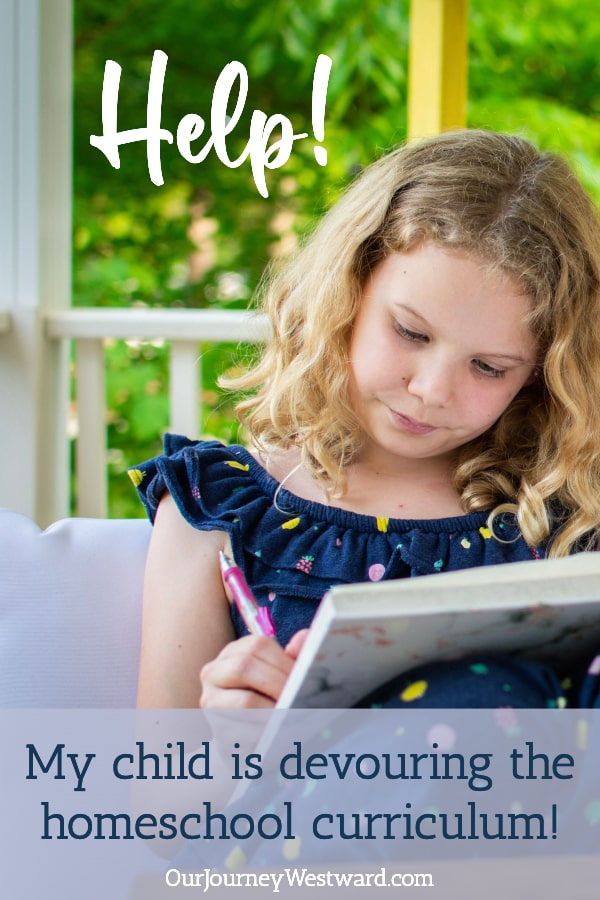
[[432, 381]]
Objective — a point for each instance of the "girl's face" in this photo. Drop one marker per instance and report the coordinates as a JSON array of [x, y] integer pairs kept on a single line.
[[440, 348]]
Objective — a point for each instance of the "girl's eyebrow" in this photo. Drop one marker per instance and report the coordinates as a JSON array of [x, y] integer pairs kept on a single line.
[[406, 308], [516, 359], [509, 357]]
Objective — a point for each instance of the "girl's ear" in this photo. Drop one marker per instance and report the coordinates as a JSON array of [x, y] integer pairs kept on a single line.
[[533, 377]]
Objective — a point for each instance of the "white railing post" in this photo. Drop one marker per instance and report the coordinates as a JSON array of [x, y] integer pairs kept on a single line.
[[35, 242], [185, 382], [185, 330], [90, 452]]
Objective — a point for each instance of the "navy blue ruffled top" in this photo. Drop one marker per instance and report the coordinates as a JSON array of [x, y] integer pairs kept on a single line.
[[293, 552]]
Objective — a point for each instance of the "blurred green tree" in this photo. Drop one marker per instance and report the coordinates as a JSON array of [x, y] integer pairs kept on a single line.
[[205, 237]]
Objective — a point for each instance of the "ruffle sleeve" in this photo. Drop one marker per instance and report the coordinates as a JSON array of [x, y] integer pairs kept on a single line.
[[206, 480]]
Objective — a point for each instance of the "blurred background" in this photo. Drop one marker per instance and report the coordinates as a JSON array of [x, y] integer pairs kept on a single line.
[[204, 238]]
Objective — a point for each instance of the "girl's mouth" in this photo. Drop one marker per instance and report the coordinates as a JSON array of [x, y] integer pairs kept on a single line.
[[411, 425]]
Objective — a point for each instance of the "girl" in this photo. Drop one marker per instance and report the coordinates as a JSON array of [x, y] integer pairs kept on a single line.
[[430, 400]]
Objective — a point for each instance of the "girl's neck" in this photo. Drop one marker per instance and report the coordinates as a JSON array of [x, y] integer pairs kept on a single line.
[[413, 489]]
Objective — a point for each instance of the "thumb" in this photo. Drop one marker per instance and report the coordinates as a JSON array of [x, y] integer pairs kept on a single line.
[[296, 643]]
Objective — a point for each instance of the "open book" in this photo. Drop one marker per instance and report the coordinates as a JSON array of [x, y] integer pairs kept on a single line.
[[365, 634]]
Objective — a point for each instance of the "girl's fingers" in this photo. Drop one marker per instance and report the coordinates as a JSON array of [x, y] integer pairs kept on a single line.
[[249, 672], [214, 698], [296, 643]]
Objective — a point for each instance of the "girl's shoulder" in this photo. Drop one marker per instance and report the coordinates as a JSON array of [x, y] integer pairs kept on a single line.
[[227, 488]]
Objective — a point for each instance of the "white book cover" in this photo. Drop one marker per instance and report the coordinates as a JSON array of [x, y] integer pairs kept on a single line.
[[365, 634]]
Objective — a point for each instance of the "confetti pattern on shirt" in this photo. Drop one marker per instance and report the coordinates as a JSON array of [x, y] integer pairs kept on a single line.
[[236, 859], [291, 849], [376, 572], [291, 523], [414, 691], [136, 475]]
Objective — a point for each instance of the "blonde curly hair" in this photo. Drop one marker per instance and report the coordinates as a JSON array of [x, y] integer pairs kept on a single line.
[[522, 212]]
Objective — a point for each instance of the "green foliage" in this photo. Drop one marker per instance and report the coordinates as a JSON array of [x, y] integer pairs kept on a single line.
[[204, 238], [534, 70]]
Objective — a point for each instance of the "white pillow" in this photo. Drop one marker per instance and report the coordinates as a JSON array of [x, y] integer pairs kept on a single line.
[[70, 611]]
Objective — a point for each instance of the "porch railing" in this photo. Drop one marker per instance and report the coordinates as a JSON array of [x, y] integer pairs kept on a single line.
[[183, 329]]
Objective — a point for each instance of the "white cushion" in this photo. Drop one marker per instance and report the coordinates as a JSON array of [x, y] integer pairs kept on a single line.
[[70, 611]]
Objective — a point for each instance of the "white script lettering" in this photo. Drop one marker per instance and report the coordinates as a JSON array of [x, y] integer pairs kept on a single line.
[[264, 153]]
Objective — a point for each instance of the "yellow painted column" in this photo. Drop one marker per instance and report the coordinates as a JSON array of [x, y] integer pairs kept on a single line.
[[437, 75]]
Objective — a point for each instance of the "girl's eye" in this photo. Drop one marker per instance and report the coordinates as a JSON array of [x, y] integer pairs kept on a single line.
[[487, 370], [409, 335]]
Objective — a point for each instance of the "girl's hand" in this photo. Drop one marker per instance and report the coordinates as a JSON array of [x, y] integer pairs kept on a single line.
[[248, 673]]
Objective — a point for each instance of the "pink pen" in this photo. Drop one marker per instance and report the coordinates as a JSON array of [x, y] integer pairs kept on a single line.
[[256, 618]]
